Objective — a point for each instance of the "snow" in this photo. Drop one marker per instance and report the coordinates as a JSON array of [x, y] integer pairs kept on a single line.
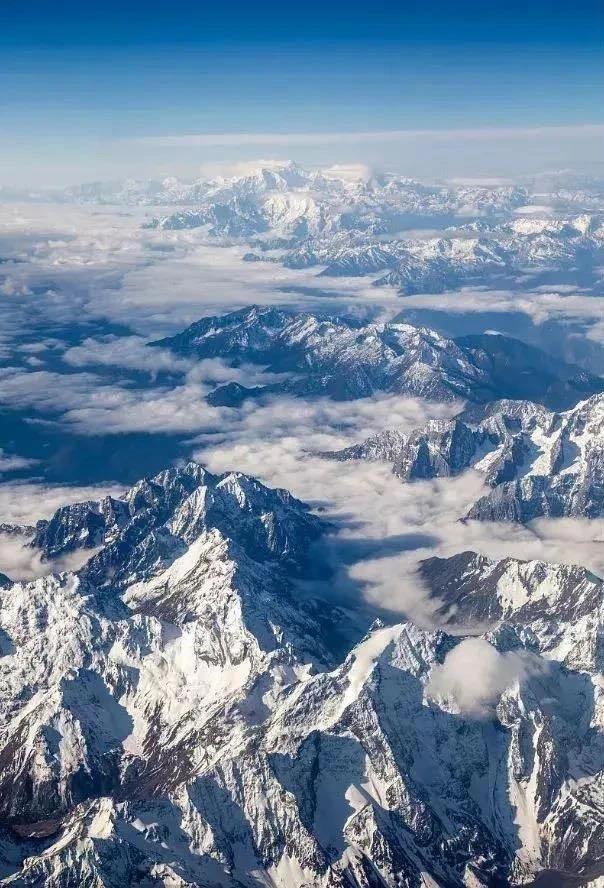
[[250, 754], [101, 825], [364, 657]]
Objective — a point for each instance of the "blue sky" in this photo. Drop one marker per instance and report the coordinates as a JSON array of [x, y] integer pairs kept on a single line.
[[81, 82]]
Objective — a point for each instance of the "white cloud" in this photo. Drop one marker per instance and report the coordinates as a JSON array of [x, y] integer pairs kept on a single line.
[[212, 279], [561, 303], [131, 352], [82, 264], [213, 140], [49, 391], [26, 502], [114, 410], [382, 527], [353, 172], [475, 674], [134, 353], [102, 264], [92, 405], [10, 287], [19, 562]]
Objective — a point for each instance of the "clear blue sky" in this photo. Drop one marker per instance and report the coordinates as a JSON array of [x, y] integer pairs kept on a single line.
[[78, 80]]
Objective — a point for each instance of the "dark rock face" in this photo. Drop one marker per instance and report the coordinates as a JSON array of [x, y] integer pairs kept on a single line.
[[232, 394], [445, 449], [525, 372], [383, 446], [80, 526]]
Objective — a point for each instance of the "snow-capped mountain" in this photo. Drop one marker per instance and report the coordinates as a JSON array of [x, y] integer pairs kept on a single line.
[[476, 253], [308, 207], [185, 601], [560, 190], [346, 359], [539, 463], [284, 198], [360, 193], [352, 227], [362, 776], [175, 716], [179, 709], [367, 225], [158, 518]]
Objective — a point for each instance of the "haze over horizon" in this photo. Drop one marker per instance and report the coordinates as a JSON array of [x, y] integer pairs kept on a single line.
[[164, 88]]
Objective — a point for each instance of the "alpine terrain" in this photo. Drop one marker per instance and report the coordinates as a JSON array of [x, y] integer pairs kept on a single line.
[[538, 462], [177, 713], [206, 682]]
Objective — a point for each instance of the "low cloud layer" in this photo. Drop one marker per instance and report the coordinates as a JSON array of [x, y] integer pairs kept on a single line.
[[86, 288]]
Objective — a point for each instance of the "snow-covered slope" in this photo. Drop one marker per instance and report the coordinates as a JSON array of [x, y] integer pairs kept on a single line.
[[474, 254], [371, 774], [158, 518], [174, 715], [344, 359], [539, 463], [187, 603]]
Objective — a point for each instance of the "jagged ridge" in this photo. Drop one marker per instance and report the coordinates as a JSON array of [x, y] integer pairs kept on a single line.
[[346, 359]]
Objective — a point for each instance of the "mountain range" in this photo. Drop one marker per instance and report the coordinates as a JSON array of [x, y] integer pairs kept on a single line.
[[561, 604], [475, 254], [562, 188], [176, 713], [418, 237], [186, 699], [346, 359], [287, 177]]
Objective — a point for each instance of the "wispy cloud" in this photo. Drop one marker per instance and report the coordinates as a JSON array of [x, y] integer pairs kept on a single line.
[[217, 140]]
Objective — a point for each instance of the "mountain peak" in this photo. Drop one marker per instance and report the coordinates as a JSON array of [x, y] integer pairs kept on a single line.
[[151, 524]]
